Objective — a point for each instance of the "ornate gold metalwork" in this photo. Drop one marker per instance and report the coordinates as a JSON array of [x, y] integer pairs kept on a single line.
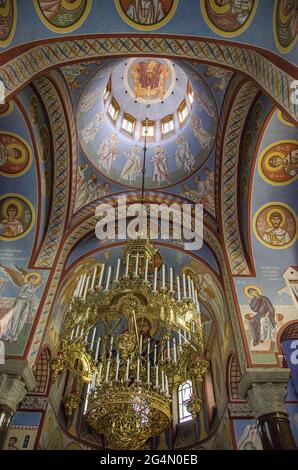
[[137, 362], [71, 403], [128, 417], [193, 406]]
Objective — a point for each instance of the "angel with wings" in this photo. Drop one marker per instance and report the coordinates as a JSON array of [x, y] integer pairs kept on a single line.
[[24, 306]]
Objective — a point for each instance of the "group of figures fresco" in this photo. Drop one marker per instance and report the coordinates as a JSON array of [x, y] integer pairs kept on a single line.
[[109, 152], [88, 189], [203, 191]]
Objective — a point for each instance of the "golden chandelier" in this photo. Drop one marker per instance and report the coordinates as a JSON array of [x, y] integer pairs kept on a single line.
[[129, 341]]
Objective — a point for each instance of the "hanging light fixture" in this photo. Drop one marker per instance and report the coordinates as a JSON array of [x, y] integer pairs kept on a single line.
[[133, 333]]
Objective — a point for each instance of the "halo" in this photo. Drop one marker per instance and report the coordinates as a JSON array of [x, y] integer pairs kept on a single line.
[[218, 9], [4, 11], [279, 211], [7, 203], [70, 7], [18, 147], [37, 278], [267, 165], [252, 286]]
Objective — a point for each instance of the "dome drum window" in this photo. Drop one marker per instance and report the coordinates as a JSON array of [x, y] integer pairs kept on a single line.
[[167, 125], [183, 112], [148, 129], [190, 93], [114, 109], [128, 123], [107, 90]]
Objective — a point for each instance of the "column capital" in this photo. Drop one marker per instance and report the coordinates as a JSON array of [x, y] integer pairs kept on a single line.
[[16, 380], [265, 390]]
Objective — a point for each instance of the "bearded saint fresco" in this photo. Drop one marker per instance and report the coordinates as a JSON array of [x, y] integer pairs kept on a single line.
[[262, 325], [145, 11]]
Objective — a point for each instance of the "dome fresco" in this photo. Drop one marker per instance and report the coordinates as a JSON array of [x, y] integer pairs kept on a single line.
[[156, 89]]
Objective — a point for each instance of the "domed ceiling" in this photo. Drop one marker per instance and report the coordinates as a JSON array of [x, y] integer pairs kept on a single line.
[[181, 121]]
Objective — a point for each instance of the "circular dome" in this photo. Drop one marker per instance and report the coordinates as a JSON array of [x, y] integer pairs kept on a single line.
[[157, 102]]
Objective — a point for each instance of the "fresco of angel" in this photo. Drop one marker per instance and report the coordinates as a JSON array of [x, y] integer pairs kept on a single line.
[[89, 133], [89, 100], [183, 155], [160, 165], [108, 152], [133, 164], [201, 134], [205, 103], [25, 304]]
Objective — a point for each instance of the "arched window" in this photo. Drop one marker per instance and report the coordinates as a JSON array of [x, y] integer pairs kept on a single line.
[[184, 394], [234, 375], [42, 372]]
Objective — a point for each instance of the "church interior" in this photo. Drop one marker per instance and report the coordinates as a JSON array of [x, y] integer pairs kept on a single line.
[[148, 342]]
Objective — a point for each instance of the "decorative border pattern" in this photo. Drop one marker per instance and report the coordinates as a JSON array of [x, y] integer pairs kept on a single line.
[[229, 176], [276, 82], [61, 144]]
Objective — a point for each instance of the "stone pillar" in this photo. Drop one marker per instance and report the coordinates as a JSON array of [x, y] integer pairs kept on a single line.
[[16, 380], [266, 391]]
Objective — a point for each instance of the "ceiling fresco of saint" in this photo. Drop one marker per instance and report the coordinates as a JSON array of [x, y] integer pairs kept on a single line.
[[80, 78]]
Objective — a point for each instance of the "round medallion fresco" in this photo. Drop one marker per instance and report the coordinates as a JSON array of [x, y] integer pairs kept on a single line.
[[146, 14], [16, 217], [278, 163], [15, 155], [6, 109], [284, 119], [8, 21], [152, 88], [275, 225], [228, 17], [285, 24], [63, 16]]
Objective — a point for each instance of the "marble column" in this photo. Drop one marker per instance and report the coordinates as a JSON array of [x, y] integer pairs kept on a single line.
[[266, 391], [16, 380]]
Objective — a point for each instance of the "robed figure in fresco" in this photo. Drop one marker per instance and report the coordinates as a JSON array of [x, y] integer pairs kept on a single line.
[[133, 165], [183, 155], [262, 325], [108, 152], [146, 11], [24, 306]]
